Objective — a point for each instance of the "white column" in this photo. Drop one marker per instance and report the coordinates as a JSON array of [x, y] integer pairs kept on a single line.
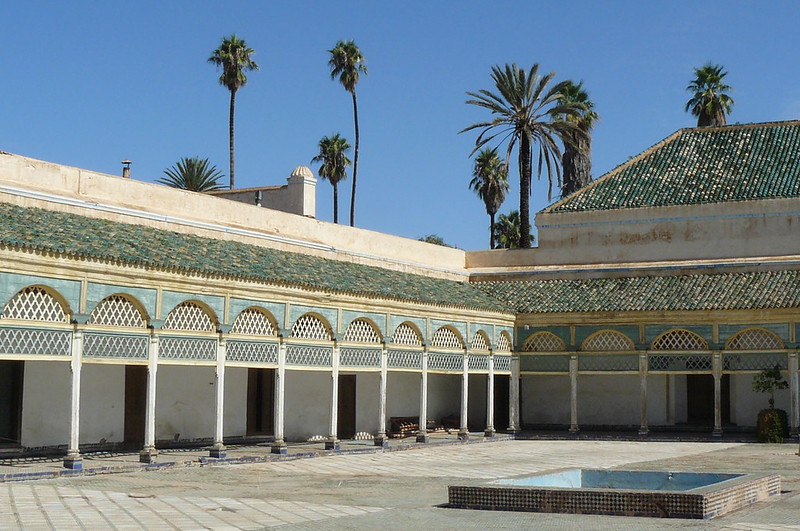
[[218, 450], [73, 458], [279, 444], [573, 393], [513, 395], [463, 432], [333, 442], [489, 431], [422, 433], [794, 394], [644, 429], [149, 453], [716, 369], [381, 439]]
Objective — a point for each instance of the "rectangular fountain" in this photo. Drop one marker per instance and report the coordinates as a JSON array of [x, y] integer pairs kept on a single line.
[[620, 492]]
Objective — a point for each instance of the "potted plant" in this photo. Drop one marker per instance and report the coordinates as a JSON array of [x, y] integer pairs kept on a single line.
[[772, 424]]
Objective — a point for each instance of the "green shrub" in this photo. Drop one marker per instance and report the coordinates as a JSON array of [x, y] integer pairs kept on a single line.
[[772, 426]]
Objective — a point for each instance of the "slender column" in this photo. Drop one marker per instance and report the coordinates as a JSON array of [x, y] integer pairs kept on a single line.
[[463, 432], [279, 444], [422, 433], [381, 439], [73, 458], [716, 369], [794, 393], [333, 442], [489, 431], [643, 427], [573, 393], [218, 450], [513, 395], [149, 453]]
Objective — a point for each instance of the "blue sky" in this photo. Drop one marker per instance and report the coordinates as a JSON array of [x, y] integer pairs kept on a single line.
[[89, 84]]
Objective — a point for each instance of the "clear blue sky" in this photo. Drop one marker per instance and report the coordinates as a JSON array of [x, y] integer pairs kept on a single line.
[[91, 83]]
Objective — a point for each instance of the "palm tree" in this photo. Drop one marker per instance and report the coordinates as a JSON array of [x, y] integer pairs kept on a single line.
[[490, 183], [334, 165], [524, 109], [709, 101], [347, 63], [193, 173], [508, 233], [577, 158], [235, 58]]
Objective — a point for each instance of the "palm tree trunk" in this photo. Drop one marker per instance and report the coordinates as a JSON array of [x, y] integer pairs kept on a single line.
[[491, 230], [525, 191], [230, 133], [335, 203], [355, 165]]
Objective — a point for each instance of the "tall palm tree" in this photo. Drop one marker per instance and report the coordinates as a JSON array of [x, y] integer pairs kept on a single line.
[[347, 63], [523, 112], [709, 101], [508, 231], [332, 155], [490, 183], [193, 173], [235, 58], [577, 158]]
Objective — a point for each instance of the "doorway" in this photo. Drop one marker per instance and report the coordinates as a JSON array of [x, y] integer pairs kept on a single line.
[[700, 399], [260, 401], [346, 416], [135, 405], [11, 374], [502, 386]]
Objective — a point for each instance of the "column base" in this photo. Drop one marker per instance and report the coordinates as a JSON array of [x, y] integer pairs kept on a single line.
[[218, 451], [574, 429], [793, 432], [422, 438], [381, 441], [332, 444], [644, 431], [489, 432], [73, 461], [717, 432], [279, 447], [148, 455], [463, 435]]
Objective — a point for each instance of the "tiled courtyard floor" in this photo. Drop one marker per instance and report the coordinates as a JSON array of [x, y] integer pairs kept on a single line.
[[384, 490]]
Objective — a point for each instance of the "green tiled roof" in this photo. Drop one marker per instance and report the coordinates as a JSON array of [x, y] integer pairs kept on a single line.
[[702, 165], [719, 291], [80, 236]]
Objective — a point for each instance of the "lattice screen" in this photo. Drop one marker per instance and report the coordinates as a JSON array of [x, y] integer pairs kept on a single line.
[[503, 343], [253, 322], [404, 359], [115, 346], [361, 331], [252, 351], [309, 356], [479, 341], [679, 340], [754, 339], [360, 357], [117, 310], [34, 341], [608, 341], [406, 335], [35, 304], [445, 362], [544, 342], [189, 316], [309, 327], [446, 338]]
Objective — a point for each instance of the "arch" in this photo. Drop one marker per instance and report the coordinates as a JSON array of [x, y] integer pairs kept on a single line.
[[755, 338], [480, 341], [679, 339], [37, 303], [362, 330], [447, 337], [407, 333], [192, 316], [608, 341], [503, 342], [255, 321], [119, 310], [544, 342], [311, 326]]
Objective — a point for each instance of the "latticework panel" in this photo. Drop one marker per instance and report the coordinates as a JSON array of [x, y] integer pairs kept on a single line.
[[253, 322], [309, 356], [478, 362], [679, 340], [404, 359], [115, 346], [608, 363], [541, 363], [479, 341], [35, 304], [442, 361], [502, 363], [252, 351], [503, 343], [360, 357], [446, 338], [679, 362], [189, 316], [405, 334], [608, 341], [310, 327], [117, 310], [187, 348], [755, 362], [30, 341], [361, 331], [544, 342], [754, 339]]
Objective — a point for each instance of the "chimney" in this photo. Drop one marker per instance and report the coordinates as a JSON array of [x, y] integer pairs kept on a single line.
[[126, 169]]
